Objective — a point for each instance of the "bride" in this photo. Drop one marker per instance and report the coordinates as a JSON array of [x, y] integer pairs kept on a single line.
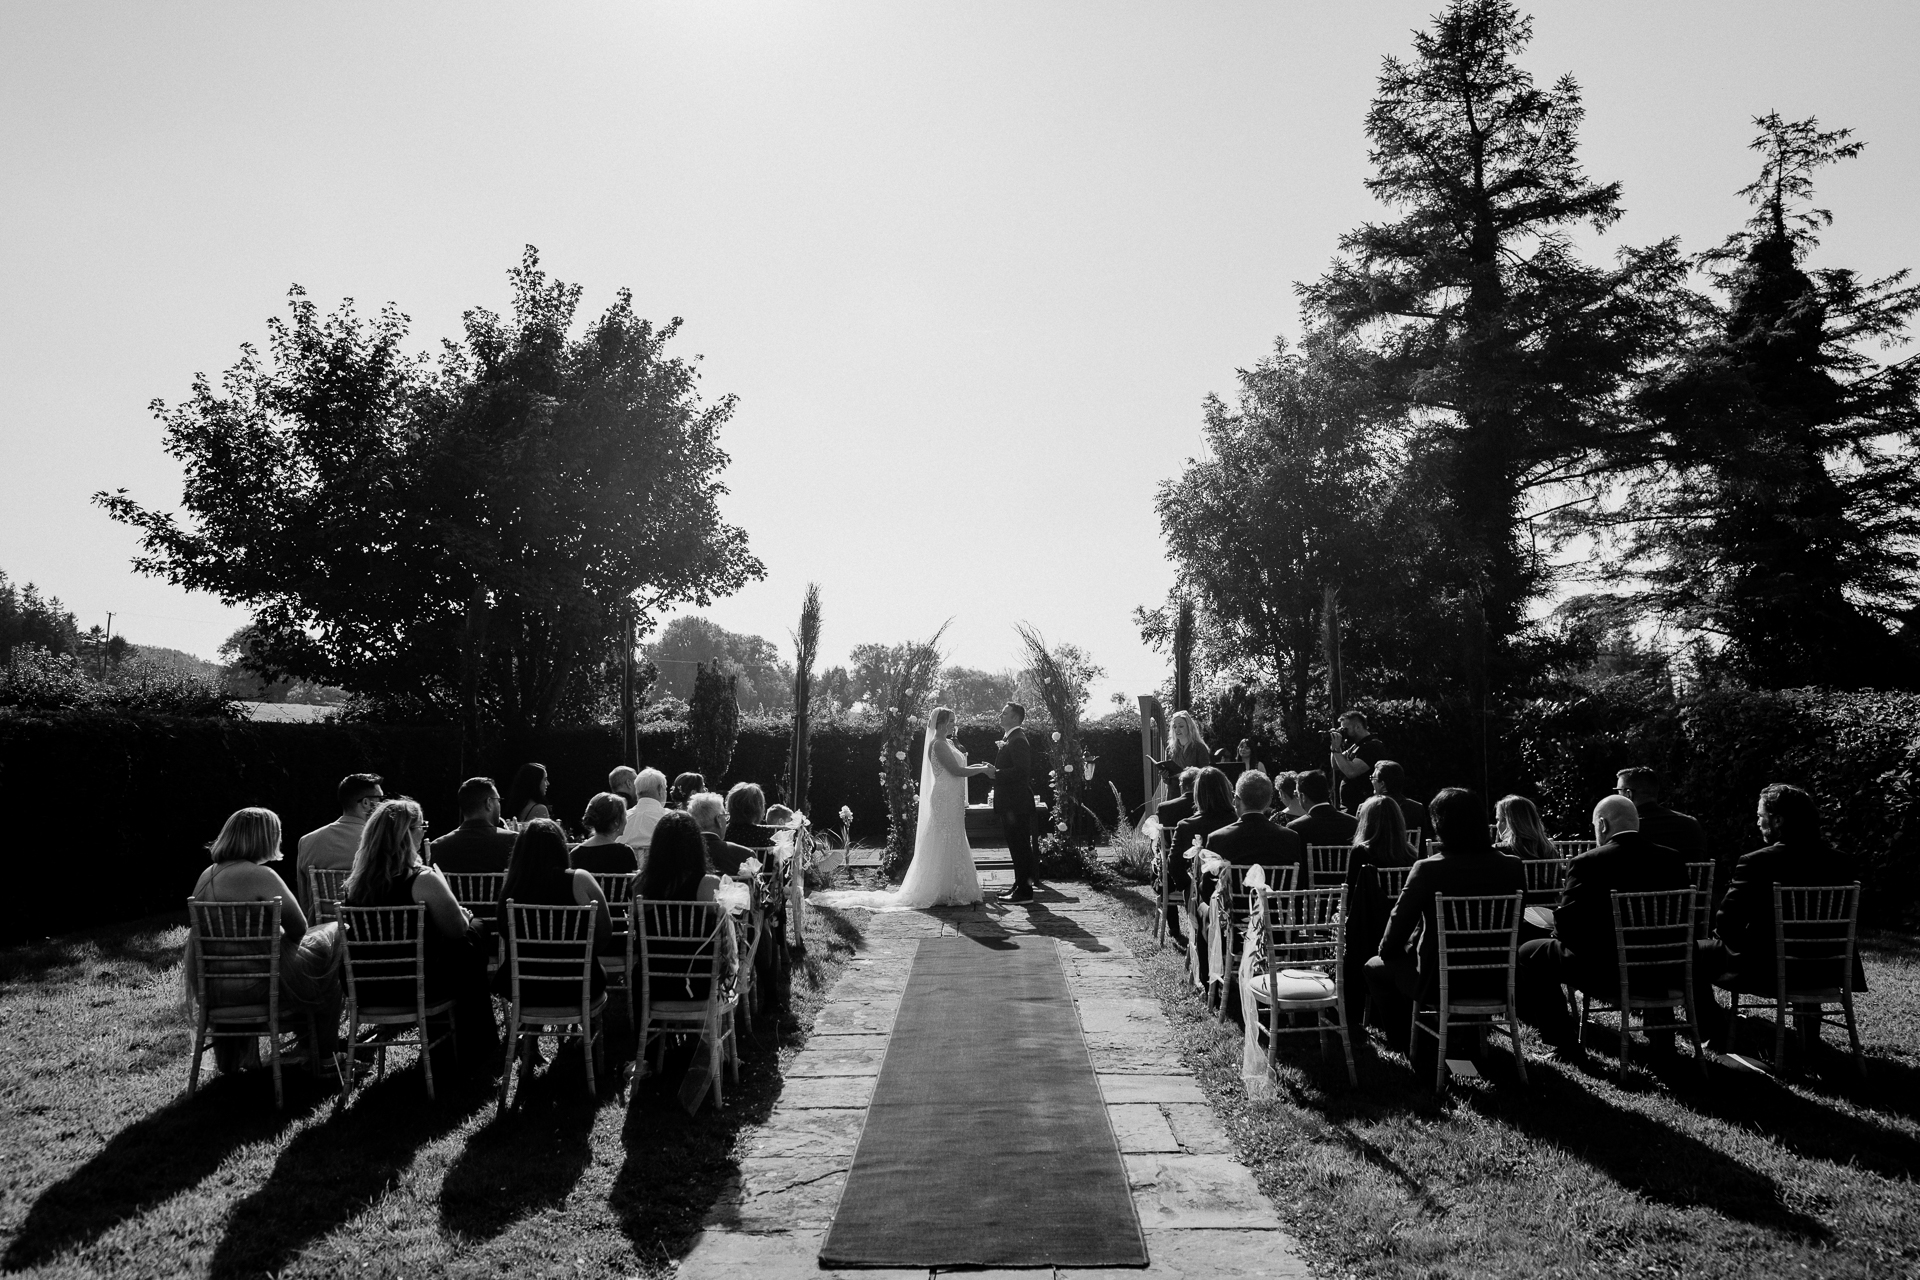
[[942, 873]]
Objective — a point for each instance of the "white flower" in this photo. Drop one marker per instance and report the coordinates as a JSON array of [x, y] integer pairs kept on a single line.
[[899, 755], [846, 816], [1056, 735], [1061, 826]]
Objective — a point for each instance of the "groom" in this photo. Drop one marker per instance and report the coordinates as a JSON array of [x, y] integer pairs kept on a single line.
[[1012, 774]]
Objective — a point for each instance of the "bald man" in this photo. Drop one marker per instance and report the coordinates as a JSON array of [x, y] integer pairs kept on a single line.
[[1581, 950]]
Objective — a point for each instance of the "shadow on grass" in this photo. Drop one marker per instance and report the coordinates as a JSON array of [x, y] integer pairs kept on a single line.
[[527, 1159], [1641, 1154], [333, 1171], [146, 943], [153, 1160]]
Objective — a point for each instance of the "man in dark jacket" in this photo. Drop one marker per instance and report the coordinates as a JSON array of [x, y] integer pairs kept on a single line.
[[1581, 950], [1323, 824], [1012, 774], [479, 843], [1467, 866], [1253, 839], [1741, 952], [1678, 831]]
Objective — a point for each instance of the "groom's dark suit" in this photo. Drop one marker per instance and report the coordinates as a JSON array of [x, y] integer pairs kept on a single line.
[[1013, 802]]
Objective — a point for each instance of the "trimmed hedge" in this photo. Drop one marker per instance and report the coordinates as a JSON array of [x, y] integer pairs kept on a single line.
[[139, 799]]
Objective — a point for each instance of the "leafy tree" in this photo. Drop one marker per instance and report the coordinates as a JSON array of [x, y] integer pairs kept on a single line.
[[1777, 506], [1289, 500], [1512, 355], [463, 533], [765, 681], [29, 618], [713, 720], [972, 692]]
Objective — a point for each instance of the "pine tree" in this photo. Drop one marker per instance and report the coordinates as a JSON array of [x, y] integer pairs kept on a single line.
[[1781, 509], [1514, 355]]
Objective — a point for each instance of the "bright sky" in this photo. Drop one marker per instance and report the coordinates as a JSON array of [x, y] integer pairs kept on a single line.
[[970, 267]]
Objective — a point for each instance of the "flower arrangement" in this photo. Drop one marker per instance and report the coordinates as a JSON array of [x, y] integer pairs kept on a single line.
[[1062, 680], [910, 671]]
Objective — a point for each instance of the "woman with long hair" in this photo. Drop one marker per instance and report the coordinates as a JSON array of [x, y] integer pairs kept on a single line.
[[677, 871], [538, 874], [1519, 831], [1212, 810], [1188, 748], [527, 796], [387, 872], [309, 958], [1379, 840]]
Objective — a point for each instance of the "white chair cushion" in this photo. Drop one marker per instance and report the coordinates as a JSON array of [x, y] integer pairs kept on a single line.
[[1293, 985]]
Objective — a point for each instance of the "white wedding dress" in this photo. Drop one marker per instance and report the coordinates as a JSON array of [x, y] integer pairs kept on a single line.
[[942, 872]]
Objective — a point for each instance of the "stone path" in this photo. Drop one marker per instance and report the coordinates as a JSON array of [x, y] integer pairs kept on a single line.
[[1202, 1213]]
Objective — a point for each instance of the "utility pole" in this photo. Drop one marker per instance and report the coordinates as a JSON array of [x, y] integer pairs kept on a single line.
[[103, 648]]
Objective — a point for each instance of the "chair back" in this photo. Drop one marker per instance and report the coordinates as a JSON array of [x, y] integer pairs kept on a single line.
[[1303, 929], [1393, 880], [1238, 895], [1815, 929], [1653, 936], [478, 892], [1327, 864], [238, 950], [1546, 877], [678, 943], [326, 886], [550, 945], [1413, 841], [1479, 942], [1701, 874], [384, 952], [1572, 847], [618, 891]]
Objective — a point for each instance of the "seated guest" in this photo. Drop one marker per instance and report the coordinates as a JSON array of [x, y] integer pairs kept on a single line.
[[539, 876], [1248, 756], [1323, 824], [1741, 950], [709, 812], [603, 852], [331, 848], [1390, 780], [1213, 809], [676, 871], [1379, 840], [1288, 805], [387, 872], [1253, 837], [746, 817], [309, 958], [479, 843], [1517, 829], [1581, 950], [1677, 831], [650, 792], [1467, 865], [779, 816], [1172, 812], [527, 797], [685, 787]]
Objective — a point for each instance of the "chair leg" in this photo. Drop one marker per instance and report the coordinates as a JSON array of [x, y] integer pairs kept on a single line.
[[1853, 1030], [1439, 1052], [200, 1047], [586, 1049], [1346, 1043], [506, 1072], [273, 1056], [1519, 1054], [1586, 1007], [1780, 1035], [1626, 1029]]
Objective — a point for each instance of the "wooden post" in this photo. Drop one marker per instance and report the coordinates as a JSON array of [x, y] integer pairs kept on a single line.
[[629, 739]]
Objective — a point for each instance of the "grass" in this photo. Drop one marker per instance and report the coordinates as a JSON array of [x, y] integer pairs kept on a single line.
[[1588, 1172], [112, 1171]]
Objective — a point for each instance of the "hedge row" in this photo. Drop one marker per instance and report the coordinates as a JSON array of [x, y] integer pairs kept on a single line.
[[139, 799]]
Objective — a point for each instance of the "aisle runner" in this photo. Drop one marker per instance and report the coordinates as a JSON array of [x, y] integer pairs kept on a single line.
[[987, 1142]]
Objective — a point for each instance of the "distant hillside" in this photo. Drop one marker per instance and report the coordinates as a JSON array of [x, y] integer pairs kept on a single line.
[[177, 659]]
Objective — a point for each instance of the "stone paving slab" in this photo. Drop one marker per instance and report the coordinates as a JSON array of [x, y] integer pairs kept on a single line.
[[1202, 1212], [1141, 1127], [841, 1056], [1144, 1088], [1210, 1255], [1197, 1192]]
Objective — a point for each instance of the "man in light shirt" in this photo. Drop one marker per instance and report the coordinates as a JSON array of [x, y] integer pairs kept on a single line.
[[646, 794], [332, 847]]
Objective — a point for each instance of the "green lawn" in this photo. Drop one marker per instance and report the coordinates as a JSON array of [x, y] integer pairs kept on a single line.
[[1586, 1172], [111, 1171]]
